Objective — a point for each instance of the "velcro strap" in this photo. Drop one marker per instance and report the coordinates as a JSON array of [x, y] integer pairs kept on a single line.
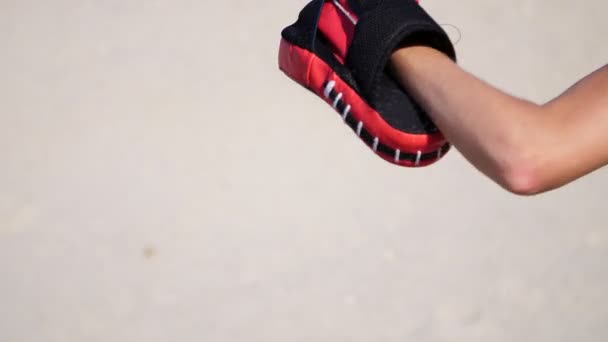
[[384, 27]]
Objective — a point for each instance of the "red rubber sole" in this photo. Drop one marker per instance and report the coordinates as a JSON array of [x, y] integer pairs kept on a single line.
[[410, 150]]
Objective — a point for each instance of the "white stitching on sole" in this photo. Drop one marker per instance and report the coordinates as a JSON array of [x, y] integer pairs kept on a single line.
[[338, 98], [328, 88], [327, 92], [345, 112], [359, 128]]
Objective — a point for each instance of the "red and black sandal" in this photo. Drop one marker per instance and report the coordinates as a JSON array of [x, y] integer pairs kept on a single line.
[[339, 50]]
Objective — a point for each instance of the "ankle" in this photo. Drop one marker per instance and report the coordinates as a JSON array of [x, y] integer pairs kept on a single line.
[[413, 53]]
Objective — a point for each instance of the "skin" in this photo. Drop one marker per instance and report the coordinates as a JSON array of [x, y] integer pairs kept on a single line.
[[524, 147]]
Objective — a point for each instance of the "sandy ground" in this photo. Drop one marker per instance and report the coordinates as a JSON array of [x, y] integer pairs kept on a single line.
[[161, 180]]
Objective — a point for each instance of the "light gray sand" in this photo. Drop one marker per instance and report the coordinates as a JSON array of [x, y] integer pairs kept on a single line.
[[162, 181]]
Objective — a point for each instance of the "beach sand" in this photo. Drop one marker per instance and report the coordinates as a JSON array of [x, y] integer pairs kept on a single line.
[[161, 180]]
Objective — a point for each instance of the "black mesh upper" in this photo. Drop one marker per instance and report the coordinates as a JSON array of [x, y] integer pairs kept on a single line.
[[383, 26]]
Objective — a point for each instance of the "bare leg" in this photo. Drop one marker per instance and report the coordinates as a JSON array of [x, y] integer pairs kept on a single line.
[[524, 147]]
